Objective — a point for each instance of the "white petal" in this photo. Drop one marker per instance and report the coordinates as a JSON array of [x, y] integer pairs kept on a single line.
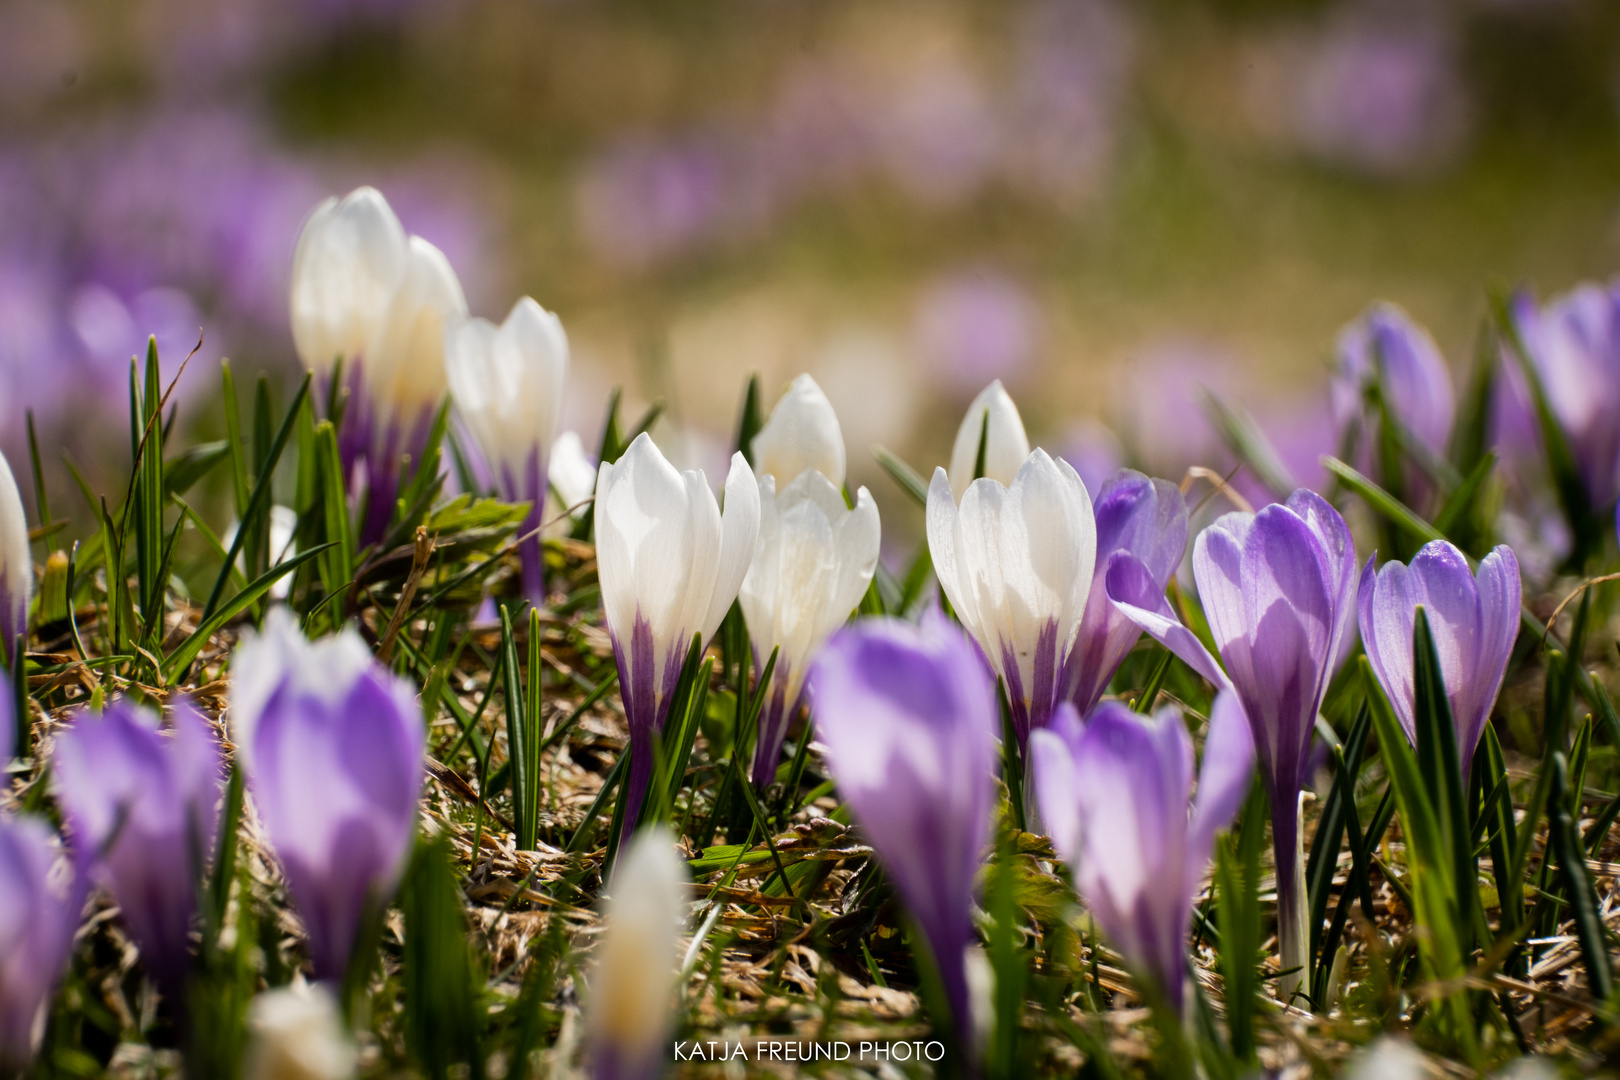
[[633, 975], [858, 537], [350, 260], [740, 529], [508, 380], [1006, 446], [942, 516], [572, 473], [644, 550], [298, 1034], [16, 560], [802, 433], [405, 361]]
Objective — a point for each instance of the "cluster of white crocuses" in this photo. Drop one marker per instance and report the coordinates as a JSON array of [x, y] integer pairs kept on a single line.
[[391, 310], [671, 562]]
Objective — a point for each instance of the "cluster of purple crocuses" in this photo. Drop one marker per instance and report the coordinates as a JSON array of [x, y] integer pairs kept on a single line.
[[332, 748], [1055, 591]]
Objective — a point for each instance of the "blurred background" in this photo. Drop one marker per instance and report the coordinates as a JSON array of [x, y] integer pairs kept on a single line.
[[1108, 205]]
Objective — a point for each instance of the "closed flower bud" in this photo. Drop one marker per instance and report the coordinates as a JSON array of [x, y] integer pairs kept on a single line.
[[909, 717], [633, 979], [670, 565], [1016, 564], [813, 562], [365, 293], [507, 382], [802, 433], [298, 1034], [1115, 794], [333, 746], [145, 802], [993, 420]]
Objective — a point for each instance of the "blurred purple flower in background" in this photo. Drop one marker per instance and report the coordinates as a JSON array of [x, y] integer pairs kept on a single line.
[[1073, 62], [1095, 452], [1573, 343], [146, 804], [909, 717], [1363, 90], [1386, 345], [332, 744], [1474, 619], [40, 902], [646, 198], [976, 325], [1115, 796], [1279, 590], [1141, 520]]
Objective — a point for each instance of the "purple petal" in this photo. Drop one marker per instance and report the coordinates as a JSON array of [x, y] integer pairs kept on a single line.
[[1133, 591]]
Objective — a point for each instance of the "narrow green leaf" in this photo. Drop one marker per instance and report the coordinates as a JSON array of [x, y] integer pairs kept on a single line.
[[910, 481]]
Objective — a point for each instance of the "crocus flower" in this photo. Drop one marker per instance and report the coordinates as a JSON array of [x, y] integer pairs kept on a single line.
[[1115, 795], [1386, 343], [507, 382], [16, 569], [147, 804], [1016, 564], [670, 565], [1279, 589], [39, 913], [298, 1034], [634, 977], [572, 473], [1474, 620], [993, 418], [813, 562], [1573, 342], [909, 718], [364, 292], [333, 746], [1140, 519], [802, 433]]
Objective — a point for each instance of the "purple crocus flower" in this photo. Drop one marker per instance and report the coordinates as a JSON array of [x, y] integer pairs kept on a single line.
[[909, 716], [333, 747], [39, 911], [143, 803], [1386, 342], [1115, 796], [1143, 520], [1573, 342], [1474, 620], [1279, 589]]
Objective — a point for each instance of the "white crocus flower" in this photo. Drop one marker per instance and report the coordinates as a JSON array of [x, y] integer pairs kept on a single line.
[[670, 564], [1016, 564], [298, 1034], [507, 382], [364, 292], [813, 562], [802, 433], [572, 473], [350, 260], [993, 418], [16, 563], [635, 974], [404, 365]]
